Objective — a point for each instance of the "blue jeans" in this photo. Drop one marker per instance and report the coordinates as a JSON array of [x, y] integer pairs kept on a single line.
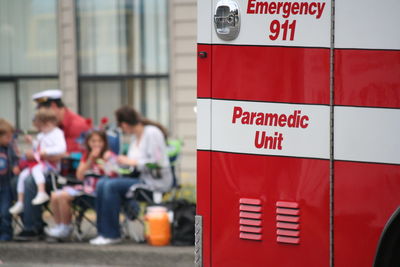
[[6, 231], [109, 196], [32, 216]]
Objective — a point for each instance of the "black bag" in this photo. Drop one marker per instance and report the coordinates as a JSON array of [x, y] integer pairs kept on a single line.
[[183, 223]]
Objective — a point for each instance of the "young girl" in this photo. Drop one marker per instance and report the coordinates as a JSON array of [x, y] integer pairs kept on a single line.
[[48, 149], [98, 161]]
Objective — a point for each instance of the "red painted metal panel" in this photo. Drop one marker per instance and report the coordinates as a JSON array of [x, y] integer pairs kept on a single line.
[[250, 236], [294, 226], [287, 211], [365, 197], [204, 72], [250, 215], [204, 201], [291, 205], [276, 74], [250, 222], [289, 240], [367, 78], [269, 179], [256, 230], [250, 208], [250, 201], [288, 233], [292, 219]]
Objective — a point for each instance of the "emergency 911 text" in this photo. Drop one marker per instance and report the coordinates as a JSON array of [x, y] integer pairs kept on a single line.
[[285, 29]]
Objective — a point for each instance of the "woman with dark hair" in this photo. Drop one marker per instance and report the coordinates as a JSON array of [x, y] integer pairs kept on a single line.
[[147, 155]]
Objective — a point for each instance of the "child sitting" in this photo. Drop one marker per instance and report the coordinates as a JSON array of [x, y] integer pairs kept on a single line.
[[98, 161], [48, 149], [8, 168]]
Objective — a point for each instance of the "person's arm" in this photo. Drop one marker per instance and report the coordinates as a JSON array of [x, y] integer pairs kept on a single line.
[[86, 164], [154, 150], [110, 166], [124, 160], [83, 167], [14, 160]]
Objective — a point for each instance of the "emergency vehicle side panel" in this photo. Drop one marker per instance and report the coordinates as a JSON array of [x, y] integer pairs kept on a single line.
[[203, 185], [274, 74], [203, 204], [366, 195], [204, 71], [292, 75], [268, 75], [367, 78], [367, 126], [269, 203], [270, 180]]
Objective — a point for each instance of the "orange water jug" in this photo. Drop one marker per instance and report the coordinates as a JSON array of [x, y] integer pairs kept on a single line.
[[158, 228]]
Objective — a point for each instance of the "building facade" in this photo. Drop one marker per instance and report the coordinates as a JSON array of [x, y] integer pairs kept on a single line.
[[103, 54]]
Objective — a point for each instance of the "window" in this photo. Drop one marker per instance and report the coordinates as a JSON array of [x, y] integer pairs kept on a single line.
[[150, 96], [28, 37], [123, 57], [28, 53]]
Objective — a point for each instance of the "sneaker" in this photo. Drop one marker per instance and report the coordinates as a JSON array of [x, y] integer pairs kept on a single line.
[[96, 240], [28, 236], [53, 231], [40, 198], [17, 208], [65, 232], [102, 241]]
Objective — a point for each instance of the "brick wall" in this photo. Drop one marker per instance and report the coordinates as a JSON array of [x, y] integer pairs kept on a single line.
[[183, 37]]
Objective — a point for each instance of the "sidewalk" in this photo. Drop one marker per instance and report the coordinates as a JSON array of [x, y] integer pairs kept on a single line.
[[73, 253], [128, 253]]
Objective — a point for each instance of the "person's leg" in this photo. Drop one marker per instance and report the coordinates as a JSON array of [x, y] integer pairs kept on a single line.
[[114, 191], [65, 205], [38, 172], [55, 206], [18, 207], [98, 203], [32, 216], [20, 184], [6, 231], [61, 207]]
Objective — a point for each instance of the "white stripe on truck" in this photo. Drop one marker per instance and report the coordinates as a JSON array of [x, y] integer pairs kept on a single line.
[[367, 134]]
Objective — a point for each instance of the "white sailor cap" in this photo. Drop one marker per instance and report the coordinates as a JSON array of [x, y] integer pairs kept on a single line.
[[46, 95]]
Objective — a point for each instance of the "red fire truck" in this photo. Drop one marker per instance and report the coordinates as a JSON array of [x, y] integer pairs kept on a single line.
[[298, 148]]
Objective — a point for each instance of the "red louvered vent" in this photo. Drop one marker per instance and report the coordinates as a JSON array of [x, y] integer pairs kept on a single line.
[[250, 219], [287, 222]]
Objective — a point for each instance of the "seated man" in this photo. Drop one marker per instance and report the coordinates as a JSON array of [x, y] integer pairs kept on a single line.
[[73, 126]]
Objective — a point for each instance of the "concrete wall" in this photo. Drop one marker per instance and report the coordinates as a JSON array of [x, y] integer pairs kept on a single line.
[[67, 60], [183, 39]]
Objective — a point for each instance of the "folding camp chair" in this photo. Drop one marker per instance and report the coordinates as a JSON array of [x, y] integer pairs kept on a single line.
[[147, 197], [82, 223]]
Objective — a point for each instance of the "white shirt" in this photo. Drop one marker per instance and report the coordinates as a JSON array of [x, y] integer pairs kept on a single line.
[[51, 143], [151, 148]]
